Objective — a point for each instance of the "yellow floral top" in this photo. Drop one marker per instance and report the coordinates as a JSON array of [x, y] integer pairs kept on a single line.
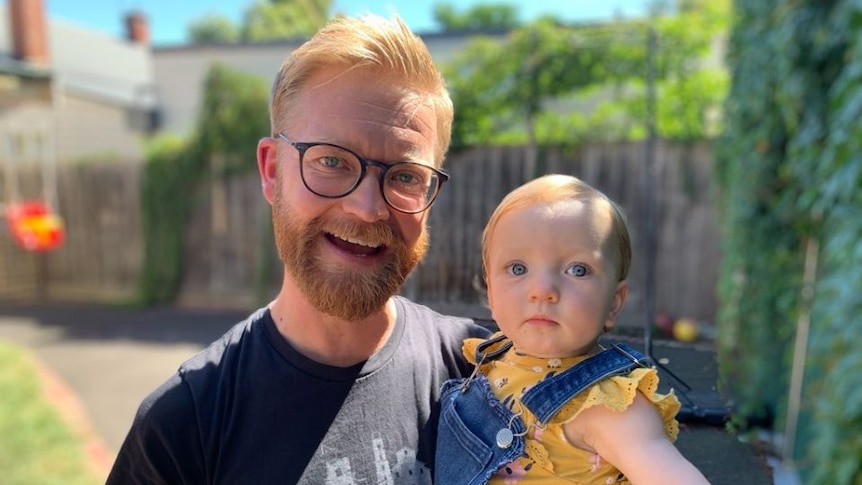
[[549, 458]]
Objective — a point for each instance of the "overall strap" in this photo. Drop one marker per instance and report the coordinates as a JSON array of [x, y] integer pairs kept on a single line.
[[482, 357], [546, 398]]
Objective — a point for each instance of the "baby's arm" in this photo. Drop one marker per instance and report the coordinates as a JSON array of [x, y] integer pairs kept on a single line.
[[634, 441]]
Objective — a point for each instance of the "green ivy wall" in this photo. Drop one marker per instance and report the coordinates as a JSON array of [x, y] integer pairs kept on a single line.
[[790, 171]]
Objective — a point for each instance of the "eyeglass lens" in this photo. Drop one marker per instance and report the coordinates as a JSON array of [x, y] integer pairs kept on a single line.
[[331, 171]]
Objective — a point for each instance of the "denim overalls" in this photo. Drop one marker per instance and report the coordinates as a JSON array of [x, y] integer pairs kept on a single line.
[[477, 434]]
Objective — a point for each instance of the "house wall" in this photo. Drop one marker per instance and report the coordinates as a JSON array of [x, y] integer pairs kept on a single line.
[[16, 90], [89, 128], [179, 76], [179, 72], [78, 129], [26, 134], [100, 87]]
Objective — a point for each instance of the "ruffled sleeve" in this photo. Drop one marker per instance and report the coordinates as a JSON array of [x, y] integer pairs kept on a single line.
[[469, 349], [617, 394]]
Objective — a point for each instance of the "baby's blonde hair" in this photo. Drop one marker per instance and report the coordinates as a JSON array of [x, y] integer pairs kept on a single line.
[[371, 42], [556, 188]]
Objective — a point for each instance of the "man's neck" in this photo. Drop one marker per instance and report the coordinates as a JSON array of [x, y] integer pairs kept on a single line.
[[327, 339]]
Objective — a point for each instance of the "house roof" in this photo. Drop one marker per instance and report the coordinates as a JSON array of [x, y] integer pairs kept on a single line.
[[88, 63]]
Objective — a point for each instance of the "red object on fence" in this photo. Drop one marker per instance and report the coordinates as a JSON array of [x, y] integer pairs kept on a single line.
[[34, 226]]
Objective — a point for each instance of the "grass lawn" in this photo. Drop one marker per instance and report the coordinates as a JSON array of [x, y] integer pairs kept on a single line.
[[36, 445]]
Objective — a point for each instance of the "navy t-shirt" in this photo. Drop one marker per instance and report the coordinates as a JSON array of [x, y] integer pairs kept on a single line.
[[251, 409]]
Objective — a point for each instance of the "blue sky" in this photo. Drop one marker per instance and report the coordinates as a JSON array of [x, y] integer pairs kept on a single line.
[[169, 18]]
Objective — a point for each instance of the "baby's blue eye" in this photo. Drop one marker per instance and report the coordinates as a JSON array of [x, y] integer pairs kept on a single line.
[[577, 270], [517, 269]]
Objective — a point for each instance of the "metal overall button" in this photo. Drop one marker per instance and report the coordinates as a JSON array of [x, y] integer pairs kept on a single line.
[[505, 437]]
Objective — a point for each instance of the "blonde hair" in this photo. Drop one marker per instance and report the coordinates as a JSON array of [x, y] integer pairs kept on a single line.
[[388, 46], [556, 188]]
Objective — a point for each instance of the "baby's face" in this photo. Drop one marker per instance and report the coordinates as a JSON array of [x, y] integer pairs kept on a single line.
[[552, 277]]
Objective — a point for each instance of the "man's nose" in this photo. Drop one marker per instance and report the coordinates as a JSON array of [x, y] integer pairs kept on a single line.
[[367, 202]]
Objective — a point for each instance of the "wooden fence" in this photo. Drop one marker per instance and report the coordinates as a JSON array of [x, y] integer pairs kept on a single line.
[[228, 238], [687, 256], [101, 257]]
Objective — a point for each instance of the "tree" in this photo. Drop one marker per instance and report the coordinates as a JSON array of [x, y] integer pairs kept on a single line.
[[500, 87], [487, 17], [232, 117], [213, 29], [233, 113], [547, 82], [284, 19], [264, 20]]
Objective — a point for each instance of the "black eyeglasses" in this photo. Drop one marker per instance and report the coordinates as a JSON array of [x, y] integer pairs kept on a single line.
[[332, 171]]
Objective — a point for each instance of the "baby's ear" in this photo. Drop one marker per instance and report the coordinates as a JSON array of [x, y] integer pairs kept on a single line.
[[619, 298]]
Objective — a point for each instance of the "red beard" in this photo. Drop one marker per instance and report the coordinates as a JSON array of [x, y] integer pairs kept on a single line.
[[351, 294]]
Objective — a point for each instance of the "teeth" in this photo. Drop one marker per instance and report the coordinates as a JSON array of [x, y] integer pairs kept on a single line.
[[358, 242]]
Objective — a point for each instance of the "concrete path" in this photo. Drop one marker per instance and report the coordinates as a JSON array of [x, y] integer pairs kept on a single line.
[[111, 357]]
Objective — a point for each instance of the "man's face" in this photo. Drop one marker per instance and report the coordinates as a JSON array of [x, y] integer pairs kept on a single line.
[[350, 255]]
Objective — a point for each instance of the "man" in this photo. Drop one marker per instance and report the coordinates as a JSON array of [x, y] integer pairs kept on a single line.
[[337, 380]]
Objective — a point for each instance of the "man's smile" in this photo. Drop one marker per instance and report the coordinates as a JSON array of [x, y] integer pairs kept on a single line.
[[354, 245]]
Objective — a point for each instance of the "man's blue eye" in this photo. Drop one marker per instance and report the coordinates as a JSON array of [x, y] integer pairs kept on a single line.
[[517, 269], [330, 162], [577, 270]]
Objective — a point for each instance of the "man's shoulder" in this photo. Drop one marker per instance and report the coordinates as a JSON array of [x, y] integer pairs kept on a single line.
[[227, 348], [211, 370], [424, 317]]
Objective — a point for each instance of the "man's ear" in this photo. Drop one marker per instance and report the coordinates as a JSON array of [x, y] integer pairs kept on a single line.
[[620, 294], [267, 165]]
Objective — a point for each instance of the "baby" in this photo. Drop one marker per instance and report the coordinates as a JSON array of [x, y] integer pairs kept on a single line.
[[547, 403]]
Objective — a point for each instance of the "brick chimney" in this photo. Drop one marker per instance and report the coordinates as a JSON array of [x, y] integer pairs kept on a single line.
[[29, 31], [137, 28]]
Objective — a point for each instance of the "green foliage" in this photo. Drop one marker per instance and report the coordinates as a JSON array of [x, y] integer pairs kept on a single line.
[[790, 171], [551, 83], [835, 449], [755, 247], [213, 29], [264, 21], [169, 177], [479, 17], [501, 86], [268, 20], [37, 446], [233, 117], [692, 112], [831, 443]]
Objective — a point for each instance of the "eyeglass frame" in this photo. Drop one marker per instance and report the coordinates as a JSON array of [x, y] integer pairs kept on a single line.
[[302, 147]]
